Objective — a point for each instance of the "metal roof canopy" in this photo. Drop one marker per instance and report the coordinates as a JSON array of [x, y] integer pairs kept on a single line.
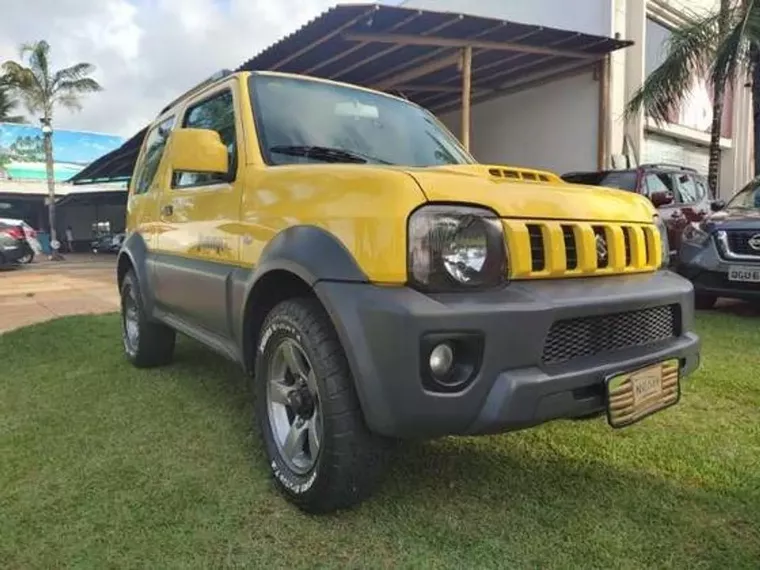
[[439, 60]]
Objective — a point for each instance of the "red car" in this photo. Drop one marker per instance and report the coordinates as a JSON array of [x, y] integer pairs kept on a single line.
[[680, 194]]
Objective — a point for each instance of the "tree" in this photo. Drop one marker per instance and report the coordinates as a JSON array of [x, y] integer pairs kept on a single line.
[[43, 90], [717, 46]]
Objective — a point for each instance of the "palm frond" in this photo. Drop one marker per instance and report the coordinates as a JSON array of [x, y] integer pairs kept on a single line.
[[733, 50], [689, 54], [73, 73], [38, 56], [76, 86], [68, 101], [8, 105]]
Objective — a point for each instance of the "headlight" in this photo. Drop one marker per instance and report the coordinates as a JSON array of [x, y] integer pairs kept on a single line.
[[664, 243], [456, 247], [694, 234]]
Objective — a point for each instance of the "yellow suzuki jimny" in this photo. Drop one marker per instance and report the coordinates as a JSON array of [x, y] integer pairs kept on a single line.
[[377, 283]]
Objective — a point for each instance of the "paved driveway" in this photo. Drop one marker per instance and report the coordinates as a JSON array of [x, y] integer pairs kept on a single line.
[[83, 284]]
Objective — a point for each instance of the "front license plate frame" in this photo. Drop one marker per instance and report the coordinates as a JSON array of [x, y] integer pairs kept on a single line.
[[637, 394], [744, 274]]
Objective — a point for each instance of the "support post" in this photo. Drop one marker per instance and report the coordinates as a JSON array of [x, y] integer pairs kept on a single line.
[[604, 113], [466, 94]]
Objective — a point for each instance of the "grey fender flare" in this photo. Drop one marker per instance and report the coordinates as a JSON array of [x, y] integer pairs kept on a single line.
[[135, 250], [310, 253]]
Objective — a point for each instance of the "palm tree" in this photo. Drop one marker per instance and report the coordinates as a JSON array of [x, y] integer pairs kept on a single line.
[[42, 90], [716, 46]]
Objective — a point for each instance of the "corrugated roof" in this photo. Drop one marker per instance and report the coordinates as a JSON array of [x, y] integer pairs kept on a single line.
[[409, 52], [386, 47]]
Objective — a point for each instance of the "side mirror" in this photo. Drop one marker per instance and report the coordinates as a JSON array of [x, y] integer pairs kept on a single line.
[[661, 198], [717, 205], [197, 150]]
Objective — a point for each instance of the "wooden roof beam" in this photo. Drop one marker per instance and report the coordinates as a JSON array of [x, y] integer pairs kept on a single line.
[[403, 39]]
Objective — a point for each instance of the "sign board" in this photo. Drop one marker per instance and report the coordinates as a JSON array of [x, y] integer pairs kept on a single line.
[[22, 152]]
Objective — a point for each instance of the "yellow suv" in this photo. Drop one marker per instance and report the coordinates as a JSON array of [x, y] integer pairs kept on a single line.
[[378, 283]]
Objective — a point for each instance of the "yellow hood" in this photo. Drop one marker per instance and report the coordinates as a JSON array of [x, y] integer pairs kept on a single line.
[[552, 200]]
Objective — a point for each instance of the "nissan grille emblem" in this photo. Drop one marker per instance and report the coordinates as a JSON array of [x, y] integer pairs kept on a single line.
[[601, 248], [754, 242]]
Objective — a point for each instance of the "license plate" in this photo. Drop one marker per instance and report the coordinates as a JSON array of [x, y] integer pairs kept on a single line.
[[632, 396], [743, 273]]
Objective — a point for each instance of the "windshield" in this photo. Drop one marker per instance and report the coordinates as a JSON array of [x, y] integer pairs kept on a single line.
[[304, 121], [747, 198]]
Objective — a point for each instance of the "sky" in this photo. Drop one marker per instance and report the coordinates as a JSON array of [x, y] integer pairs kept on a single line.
[[147, 52]]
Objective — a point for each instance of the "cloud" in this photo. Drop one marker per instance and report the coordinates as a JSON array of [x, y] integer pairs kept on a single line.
[[147, 52]]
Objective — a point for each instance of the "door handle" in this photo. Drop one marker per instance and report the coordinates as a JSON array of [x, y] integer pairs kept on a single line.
[[167, 210]]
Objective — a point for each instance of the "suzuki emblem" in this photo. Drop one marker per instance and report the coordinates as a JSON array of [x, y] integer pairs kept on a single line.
[[601, 248], [754, 242]]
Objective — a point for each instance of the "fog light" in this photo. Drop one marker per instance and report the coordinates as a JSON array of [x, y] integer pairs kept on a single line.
[[441, 359]]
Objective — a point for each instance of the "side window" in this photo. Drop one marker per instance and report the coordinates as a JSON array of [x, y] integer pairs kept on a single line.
[[701, 184], [658, 182], [686, 188], [216, 114], [154, 150]]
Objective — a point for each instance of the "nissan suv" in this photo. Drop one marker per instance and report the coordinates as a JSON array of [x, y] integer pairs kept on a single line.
[[721, 254]]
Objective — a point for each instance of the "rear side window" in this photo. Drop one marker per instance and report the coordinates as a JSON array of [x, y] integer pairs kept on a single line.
[[701, 183], [658, 182], [686, 188], [216, 114], [154, 150]]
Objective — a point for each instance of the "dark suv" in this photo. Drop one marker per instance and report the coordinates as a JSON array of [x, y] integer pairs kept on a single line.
[[721, 255], [679, 193]]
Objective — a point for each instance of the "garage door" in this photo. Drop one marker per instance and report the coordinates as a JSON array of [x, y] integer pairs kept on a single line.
[[664, 149]]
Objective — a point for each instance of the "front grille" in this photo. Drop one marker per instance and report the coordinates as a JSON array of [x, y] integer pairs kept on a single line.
[[739, 242], [548, 249], [590, 336]]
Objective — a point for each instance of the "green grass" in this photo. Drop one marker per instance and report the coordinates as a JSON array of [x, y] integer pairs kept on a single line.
[[105, 466]]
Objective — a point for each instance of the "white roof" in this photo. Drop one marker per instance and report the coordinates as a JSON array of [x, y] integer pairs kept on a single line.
[[39, 188]]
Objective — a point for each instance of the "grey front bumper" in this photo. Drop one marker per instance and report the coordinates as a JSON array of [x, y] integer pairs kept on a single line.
[[381, 329]]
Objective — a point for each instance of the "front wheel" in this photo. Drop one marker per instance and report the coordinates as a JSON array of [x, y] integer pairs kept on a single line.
[[28, 258], [146, 343], [322, 455]]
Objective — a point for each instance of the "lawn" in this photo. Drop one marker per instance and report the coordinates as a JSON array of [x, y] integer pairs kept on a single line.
[[104, 466]]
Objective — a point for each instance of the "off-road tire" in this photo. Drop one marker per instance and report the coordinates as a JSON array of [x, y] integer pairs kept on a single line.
[[704, 302], [351, 459], [155, 343]]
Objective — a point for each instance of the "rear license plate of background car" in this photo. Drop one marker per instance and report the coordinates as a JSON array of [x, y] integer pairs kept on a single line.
[[745, 274]]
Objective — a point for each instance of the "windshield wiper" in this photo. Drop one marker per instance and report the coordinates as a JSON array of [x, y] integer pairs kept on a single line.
[[326, 153]]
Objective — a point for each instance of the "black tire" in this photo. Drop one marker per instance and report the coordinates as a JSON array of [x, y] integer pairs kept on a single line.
[[704, 302], [154, 345], [350, 459], [28, 258]]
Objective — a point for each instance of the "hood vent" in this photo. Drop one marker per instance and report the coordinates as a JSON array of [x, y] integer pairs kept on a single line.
[[524, 174]]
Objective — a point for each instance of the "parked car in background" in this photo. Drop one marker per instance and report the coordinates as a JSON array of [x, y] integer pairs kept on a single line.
[[30, 235], [721, 254], [110, 243], [13, 246], [679, 193]]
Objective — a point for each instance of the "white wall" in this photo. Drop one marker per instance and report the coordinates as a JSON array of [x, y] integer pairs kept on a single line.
[[586, 16], [552, 126]]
